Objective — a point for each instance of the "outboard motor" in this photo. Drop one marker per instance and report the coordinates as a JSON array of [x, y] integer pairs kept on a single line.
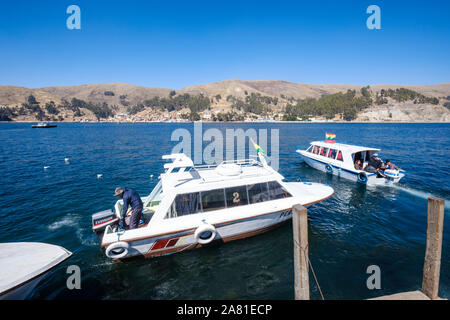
[[390, 173], [102, 219]]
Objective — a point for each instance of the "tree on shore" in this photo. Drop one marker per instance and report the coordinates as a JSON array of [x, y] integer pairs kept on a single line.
[[32, 100]]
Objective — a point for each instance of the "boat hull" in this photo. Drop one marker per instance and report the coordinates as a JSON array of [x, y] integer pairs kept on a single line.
[[24, 290], [329, 168], [25, 264], [185, 240]]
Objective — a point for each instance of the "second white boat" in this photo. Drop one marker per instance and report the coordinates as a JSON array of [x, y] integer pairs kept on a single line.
[[339, 159]]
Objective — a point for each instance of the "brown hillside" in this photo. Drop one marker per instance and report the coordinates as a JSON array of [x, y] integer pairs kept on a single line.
[[96, 93], [13, 95]]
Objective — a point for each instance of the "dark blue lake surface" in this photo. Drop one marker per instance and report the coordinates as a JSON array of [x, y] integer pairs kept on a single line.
[[359, 226]]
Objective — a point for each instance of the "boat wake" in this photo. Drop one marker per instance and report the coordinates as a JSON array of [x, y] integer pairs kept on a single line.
[[420, 194], [69, 220], [74, 221]]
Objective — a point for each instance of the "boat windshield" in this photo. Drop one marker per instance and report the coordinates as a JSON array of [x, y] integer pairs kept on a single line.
[[154, 196]]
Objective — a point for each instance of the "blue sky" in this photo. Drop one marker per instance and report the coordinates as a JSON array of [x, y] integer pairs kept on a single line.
[[174, 44]]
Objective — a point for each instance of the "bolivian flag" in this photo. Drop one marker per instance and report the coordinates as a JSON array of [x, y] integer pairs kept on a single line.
[[258, 148], [330, 137]]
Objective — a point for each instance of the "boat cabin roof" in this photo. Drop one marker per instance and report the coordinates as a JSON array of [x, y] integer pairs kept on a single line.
[[182, 175], [347, 148]]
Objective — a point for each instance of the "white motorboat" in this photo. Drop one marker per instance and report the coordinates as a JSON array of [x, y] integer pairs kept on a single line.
[[24, 264], [192, 206], [339, 159], [44, 125]]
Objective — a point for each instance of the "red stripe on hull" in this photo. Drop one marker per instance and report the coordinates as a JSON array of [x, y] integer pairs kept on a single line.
[[172, 242], [152, 254], [160, 244]]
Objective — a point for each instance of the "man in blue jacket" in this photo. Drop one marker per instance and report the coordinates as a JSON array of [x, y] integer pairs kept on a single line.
[[130, 197]]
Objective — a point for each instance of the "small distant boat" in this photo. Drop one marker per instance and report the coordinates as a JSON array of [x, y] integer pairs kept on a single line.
[[44, 125], [339, 159], [24, 264]]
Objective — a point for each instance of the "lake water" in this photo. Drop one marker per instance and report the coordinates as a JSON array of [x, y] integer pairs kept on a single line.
[[359, 226]]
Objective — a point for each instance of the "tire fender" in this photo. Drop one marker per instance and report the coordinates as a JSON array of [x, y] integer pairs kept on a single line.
[[362, 177], [205, 233], [117, 250]]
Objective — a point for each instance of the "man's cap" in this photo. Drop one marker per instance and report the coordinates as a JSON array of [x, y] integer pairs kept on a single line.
[[375, 154], [118, 191]]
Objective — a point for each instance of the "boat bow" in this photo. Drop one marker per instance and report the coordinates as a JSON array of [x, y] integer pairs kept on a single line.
[[309, 192]]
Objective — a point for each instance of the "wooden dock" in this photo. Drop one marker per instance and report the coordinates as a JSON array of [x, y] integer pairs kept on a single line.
[[432, 264], [410, 295]]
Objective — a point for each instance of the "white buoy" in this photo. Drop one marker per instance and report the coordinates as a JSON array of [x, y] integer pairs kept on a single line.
[[151, 176], [66, 160], [99, 176], [46, 167]]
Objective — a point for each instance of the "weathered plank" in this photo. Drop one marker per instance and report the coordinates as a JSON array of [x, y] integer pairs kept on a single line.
[[300, 234], [432, 265]]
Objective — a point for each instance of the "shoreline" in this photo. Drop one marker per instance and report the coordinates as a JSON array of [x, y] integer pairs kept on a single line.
[[268, 121]]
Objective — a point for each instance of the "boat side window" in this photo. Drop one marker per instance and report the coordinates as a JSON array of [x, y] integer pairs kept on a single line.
[[213, 200], [309, 149], [316, 150], [276, 191], [339, 156], [332, 154], [323, 151], [236, 196], [184, 204], [358, 156], [258, 192]]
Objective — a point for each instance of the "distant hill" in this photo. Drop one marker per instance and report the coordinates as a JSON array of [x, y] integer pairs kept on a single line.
[[120, 97], [277, 88], [111, 93], [12, 95]]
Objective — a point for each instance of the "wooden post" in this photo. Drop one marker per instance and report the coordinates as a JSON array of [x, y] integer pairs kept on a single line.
[[432, 265], [300, 231]]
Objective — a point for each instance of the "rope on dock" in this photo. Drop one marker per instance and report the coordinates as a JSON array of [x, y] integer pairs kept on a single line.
[[310, 265], [315, 279]]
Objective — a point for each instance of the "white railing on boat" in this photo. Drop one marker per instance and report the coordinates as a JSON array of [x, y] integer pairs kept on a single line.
[[242, 163], [251, 168]]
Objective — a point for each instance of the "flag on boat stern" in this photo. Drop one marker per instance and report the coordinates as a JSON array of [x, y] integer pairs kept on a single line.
[[258, 148], [330, 137]]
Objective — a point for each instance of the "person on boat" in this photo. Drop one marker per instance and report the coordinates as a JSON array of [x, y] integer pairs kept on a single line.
[[390, 165], [130, 198], [358, 165], [375, 164]]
